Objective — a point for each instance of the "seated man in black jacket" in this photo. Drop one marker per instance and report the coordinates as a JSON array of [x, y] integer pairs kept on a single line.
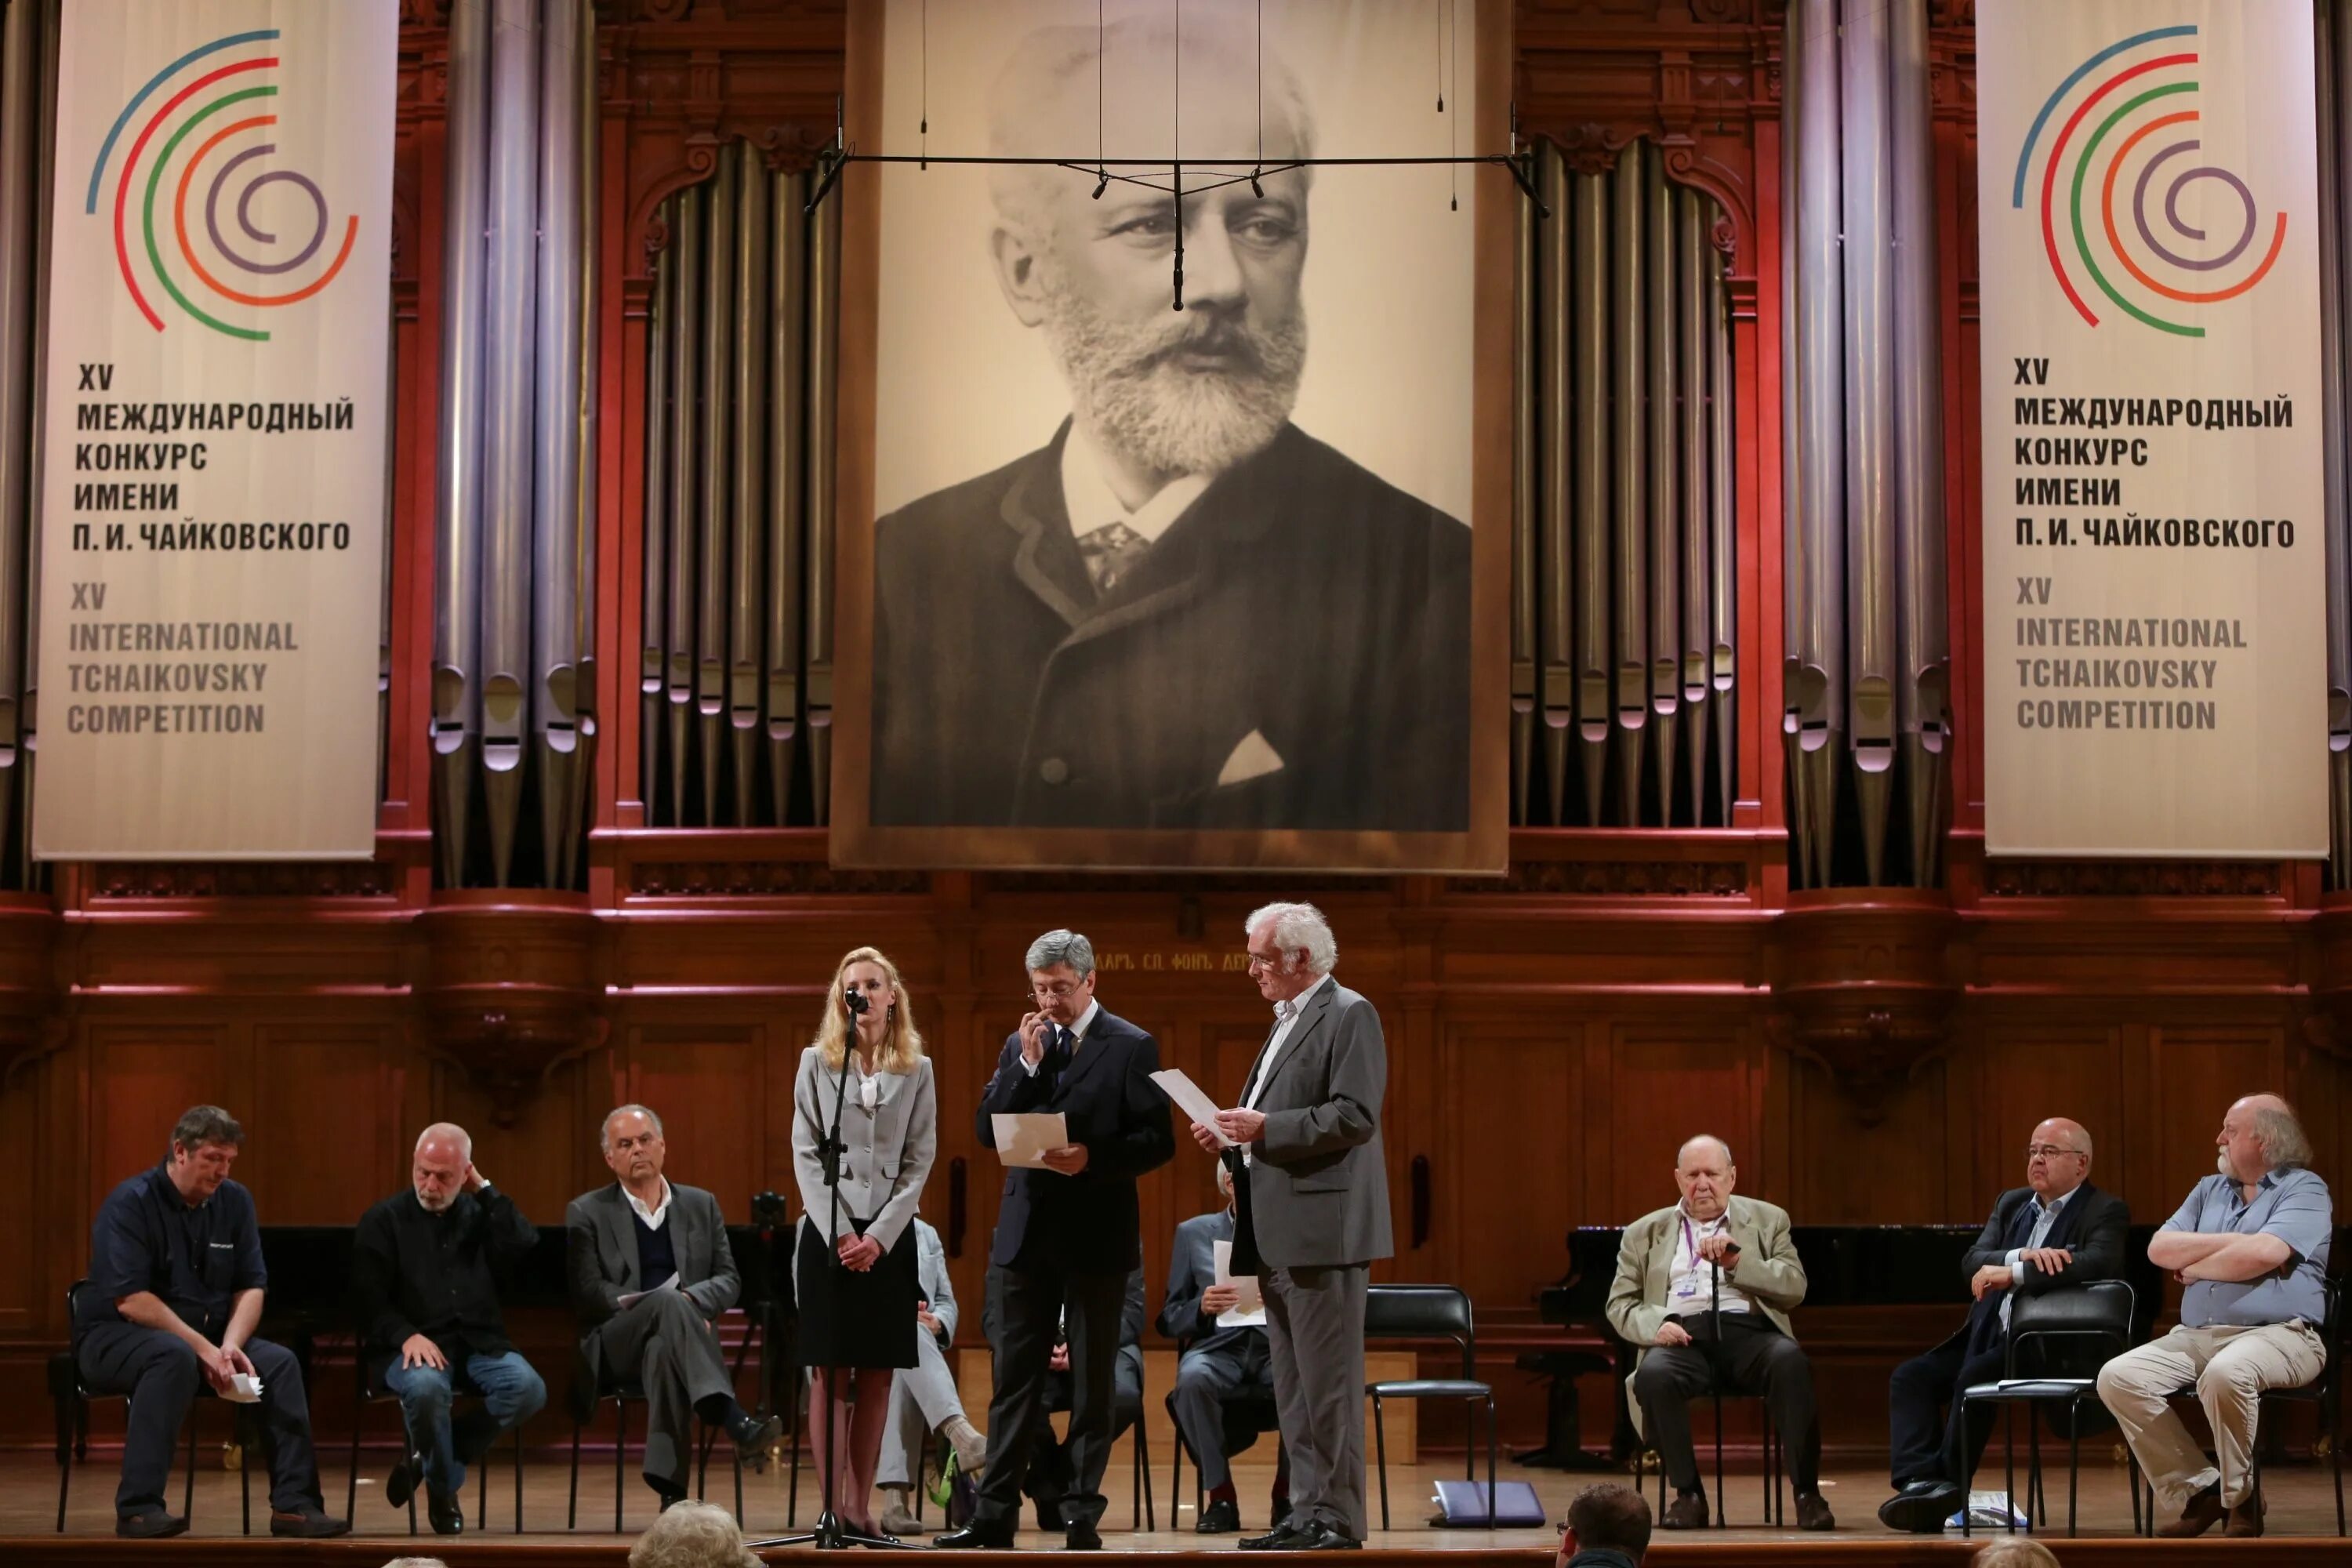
[[2056, 1231], [428, 1311]]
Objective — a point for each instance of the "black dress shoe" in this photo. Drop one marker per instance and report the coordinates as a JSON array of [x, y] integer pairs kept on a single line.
[[1221, 1517], [976, 1535], [446, 1513], [1082, 1536], [149, 1526], [1318, 1536], [1813, 1512], [401, 1485], [754, 1435], [1049, 1513], [1921, 1508], [310, 1523], [1281, 1538]]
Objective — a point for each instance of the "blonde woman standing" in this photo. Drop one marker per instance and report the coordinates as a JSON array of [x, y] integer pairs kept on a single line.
[[856, 1286]]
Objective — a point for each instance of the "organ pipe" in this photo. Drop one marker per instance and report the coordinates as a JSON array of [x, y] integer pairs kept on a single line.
[[1628, 401], [715, 462], [1820, 309], [1538, 351], [1590, 283], [555, 478], [1922, 634], [456, 628], [1664, 504], [1562, 420], [1692, 275], [746, 671], [787, 509]]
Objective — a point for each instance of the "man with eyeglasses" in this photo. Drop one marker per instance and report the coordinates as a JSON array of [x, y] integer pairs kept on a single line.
[[2056, 1231], [1067, 1236]]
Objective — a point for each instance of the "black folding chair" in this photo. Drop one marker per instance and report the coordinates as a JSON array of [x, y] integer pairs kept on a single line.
[[73, 1396], [1430, 1311], [2097, 1316], [584, 1401], [1244, 1418], [366, 1392], [2325, 1391]]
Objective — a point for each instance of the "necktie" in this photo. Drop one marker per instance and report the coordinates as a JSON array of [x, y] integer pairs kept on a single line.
[[1110, 552], [1057, 1055], [2020, 1231]]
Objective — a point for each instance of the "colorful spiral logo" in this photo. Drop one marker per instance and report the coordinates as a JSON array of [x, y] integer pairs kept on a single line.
[[198, 107], [2108, 154]]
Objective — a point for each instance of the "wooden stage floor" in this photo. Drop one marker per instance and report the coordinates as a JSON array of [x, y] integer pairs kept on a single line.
[[2302, 1521]]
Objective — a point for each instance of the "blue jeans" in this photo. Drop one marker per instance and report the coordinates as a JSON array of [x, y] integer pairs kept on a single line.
[[511, 1393]]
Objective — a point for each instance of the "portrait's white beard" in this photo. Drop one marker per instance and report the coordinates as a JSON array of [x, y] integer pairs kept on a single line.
[[2221, 1164], [1130, 394]]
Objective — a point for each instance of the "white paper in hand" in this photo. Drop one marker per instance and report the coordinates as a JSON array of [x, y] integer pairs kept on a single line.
[[1249, 1311], [633, 1297], [1190, 1100], [244, 1388], [1023, 1140]]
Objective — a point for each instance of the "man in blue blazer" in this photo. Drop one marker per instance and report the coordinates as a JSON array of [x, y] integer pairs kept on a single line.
[[2056, 1231], [1067, 1235]]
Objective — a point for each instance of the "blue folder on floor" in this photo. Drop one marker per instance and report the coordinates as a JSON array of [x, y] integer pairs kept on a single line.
[[1461, 1505]]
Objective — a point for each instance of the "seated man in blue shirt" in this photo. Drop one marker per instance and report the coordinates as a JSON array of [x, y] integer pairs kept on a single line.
[[2251, 1245], [175, 1288]]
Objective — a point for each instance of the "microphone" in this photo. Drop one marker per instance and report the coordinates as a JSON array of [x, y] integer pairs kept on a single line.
[[854, 1000]]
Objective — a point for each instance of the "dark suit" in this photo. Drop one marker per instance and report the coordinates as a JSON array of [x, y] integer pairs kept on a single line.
[[1064, 1248], [1224, 1378], [1927, 1445], [1301, 598], [665, 1340], [1052, 1465]]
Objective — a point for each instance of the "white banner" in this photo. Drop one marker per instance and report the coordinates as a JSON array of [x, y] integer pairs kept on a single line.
[[212, 506], [2153, 585]]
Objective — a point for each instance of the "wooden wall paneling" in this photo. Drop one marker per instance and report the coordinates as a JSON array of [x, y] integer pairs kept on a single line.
[[1504, 1164], [327, 1095], [709, 1086], [2027, 1071], [24, 1290], [141, 1076], [1668, 1084], [1853, 1165], [545, 1159], [2196, 1071]]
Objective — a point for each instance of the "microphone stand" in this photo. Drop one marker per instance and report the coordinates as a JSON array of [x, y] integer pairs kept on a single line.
[[829, 1534]]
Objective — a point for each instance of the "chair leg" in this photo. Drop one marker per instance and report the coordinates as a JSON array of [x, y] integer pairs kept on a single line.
[[571, 1510], [1143, 1474], [518, 1477], [188, 1495], [1490, 1461], [1380, 1449], [738, 1489], [620, 1456], [1721, 1522], [2009, 1464], [2035, 1499], [245, 1483], [2073, 1459], [73, 1425]]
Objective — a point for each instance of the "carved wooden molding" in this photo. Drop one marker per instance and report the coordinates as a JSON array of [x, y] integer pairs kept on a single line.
[[2133, 879], [130, 879], [1865, 983], [511, 989], [762, 878], [1615, 879]]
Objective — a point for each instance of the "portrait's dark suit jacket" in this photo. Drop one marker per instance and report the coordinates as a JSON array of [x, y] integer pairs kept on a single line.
[[1089, 1222], [2094, 1226], [1302, 613]]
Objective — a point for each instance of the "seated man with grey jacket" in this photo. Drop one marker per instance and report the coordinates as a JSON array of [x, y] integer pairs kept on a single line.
[[1224, 1378], [924, 1401], [1704, 1291], [651, 1268]]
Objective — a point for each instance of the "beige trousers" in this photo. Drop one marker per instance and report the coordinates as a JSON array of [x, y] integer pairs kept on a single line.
[[2230, 1367]]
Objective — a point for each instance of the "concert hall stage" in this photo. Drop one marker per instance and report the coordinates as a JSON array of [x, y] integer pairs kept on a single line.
[[2302, 1518]]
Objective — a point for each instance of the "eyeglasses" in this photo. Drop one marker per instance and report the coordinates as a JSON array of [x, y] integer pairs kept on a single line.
[[2047, 1151], [1260, 960], [1060, 991]]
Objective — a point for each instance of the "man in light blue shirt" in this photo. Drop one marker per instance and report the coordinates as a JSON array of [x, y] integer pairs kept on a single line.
[[2251, 1245]]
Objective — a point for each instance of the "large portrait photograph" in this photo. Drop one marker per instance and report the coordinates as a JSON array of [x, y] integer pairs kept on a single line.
[[1175, 466]]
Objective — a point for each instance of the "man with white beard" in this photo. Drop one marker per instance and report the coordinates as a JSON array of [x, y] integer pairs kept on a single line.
[[424, 1268], [1182, 612]]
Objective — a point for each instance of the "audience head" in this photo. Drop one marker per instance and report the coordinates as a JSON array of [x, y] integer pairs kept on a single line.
[[1607, 1518], [1224, 1182], [2260, 1133], [2058, 1158], [417, 1562], [1290, 948], [1061, 965], [2015, 1552], [204, 1142], [886, 1027], [1703, 1171], [444, 1154], [632, 1142], [692, 1535]]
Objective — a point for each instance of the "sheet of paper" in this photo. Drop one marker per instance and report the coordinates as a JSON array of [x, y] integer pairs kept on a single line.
[[633, 1297], [244, 1388], [1189, 1100], [1023, 1139], [1249, 1313]]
